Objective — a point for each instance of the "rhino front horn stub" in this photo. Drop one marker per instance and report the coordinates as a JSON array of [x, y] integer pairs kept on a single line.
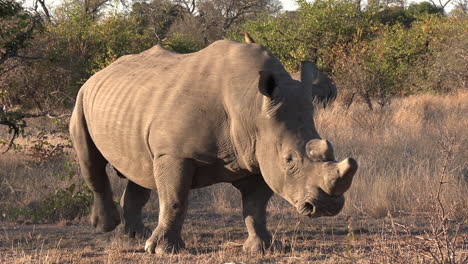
[[346, 168]]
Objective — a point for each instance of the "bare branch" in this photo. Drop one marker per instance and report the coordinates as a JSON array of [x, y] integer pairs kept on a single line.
[[45, 9], [444, 4], [15, 129]]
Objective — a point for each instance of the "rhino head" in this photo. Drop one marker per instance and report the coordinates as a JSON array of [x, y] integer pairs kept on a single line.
[[294, 161]]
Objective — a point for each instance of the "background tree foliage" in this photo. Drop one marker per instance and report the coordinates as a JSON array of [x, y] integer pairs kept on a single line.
[[375, 50]]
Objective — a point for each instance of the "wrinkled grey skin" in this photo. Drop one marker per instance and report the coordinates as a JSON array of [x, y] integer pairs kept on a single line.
[[323, 88], [173, 122]]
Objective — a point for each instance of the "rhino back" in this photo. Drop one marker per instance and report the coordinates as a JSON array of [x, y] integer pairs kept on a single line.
[[158, 102]]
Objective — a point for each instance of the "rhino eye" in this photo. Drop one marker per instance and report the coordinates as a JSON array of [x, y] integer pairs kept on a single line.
[[290, 163], [290, 157]]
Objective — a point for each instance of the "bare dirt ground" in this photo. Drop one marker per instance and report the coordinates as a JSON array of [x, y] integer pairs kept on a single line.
[[218, 237]]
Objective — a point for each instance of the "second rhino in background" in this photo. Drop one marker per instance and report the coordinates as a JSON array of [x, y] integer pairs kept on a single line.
[[323, 91]]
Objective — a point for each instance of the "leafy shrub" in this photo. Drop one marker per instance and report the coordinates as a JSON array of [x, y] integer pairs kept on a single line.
[[67, 203], [43, 149], [182, 43], [444, 67], [312, 32], [430, 56], [375, 52]]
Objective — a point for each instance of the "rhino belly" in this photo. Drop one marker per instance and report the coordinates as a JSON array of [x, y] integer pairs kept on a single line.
[[217, 173], [119, 131], [134, 163]]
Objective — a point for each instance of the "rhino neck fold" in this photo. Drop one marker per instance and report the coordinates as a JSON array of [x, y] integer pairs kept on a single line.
[[242, 108]]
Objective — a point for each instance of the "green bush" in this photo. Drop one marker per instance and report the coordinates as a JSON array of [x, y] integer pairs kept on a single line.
[[312, 32], [430, 56], [182, 43], [375, 52], [68, 203]]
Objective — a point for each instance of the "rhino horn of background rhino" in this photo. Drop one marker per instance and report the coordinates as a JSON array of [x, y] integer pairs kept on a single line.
[[309, 74]]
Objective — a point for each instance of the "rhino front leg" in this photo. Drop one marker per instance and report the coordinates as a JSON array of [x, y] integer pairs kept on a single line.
[[132, 202], [255, 196], [173, 177]]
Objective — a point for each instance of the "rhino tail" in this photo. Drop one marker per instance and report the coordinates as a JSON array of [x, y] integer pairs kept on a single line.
[[92, 162], [78, 123]]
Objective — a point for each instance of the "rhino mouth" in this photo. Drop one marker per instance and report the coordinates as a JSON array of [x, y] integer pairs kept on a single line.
[[322, 205]]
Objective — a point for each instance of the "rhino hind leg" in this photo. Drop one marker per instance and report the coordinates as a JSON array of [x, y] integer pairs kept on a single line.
[[173, 177], [105, 216], [255, 196], [132, 202]]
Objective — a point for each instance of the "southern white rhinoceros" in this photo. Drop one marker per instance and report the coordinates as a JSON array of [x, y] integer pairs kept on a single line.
[[174, 122], [323, 87]]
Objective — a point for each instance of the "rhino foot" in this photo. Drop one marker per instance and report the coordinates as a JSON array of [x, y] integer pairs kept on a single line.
[[162, 244], [132, 202], [136, 230], [257, 244], [104, 216]]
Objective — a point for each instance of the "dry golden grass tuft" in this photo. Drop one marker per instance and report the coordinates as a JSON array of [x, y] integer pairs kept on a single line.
[[408, 202]]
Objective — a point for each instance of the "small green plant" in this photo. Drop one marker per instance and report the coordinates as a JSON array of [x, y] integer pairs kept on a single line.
[[43, 149], [67, 203]]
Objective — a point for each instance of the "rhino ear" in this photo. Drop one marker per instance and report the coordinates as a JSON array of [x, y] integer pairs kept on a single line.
[[309, 73], [267, 83]]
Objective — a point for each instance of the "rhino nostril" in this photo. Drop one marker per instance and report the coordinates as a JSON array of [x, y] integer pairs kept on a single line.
[[307, 209], [310, 208]]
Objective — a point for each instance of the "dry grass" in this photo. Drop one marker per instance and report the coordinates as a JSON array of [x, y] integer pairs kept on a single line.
[[412, 185], [398, 150], [212, 238]]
